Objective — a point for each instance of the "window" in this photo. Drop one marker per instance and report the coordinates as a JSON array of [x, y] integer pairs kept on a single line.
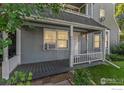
[[71, 8], [83, 9], [97, 40], [54, 39], [102, 13], [50, 39], [62, 41]]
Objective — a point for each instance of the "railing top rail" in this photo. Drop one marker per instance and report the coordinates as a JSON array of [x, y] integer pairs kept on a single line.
[[87, 53]]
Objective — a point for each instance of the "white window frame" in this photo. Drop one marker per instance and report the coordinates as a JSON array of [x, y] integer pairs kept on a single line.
[[102, 11], [86, 8], [55, 30], [95, 41]]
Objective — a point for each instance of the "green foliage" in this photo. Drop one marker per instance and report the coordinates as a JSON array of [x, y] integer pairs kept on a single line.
[[117, 53], [4, 43], [19, 78], [119, 9], [82, 77], [119, 49], [115, 57], [122, 36], [12, 15]]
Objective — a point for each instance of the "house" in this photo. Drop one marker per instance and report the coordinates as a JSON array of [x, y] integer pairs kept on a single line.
[[81, 34]]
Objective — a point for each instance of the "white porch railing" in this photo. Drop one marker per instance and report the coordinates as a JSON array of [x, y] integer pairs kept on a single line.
[[88, 57]]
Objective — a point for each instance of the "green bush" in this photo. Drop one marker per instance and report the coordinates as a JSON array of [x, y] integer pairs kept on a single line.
[[119, 49], [19, 78], [115, 57], [122, 36], [82, 77]]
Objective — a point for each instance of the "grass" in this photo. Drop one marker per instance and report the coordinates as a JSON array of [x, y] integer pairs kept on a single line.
[[107, 71]]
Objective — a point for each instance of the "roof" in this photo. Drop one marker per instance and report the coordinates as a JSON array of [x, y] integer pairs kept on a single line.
[[70, 17]]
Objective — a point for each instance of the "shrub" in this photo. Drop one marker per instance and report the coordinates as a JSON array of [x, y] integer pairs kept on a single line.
[[115, 57], [18, 78], [82, 77], [122, 36], [119, 49]]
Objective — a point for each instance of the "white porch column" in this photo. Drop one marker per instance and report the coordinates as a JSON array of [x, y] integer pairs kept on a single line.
[[87, 43], [5, 63], [71, 46], [101, 41], [18, 45], [103, 45]]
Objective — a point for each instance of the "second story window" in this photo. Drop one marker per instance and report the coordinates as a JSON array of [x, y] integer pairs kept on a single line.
[[102, 13], [69, 7], [83, 9], [76, 7]]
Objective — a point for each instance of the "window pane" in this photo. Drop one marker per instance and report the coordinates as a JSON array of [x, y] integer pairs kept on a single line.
[[97, 37], [102, 13], [63, 35], [97, 41], [50, 35], [97, 45], [62, 44]]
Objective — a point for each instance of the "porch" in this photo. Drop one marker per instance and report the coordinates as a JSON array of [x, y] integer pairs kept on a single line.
[[45, 69]]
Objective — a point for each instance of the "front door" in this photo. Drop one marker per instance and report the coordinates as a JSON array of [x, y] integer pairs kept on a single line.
[[77, 43]]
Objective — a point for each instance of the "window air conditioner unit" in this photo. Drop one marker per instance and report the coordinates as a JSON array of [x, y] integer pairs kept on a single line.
[[50, 46]]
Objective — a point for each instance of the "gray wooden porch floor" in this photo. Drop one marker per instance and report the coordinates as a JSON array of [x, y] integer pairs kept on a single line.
[[43, 69]]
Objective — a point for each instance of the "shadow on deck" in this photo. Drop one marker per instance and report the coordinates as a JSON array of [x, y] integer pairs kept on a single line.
[[44, 69]]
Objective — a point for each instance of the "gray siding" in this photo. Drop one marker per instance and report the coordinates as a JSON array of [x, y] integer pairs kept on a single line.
[[32, 48], [109, 20]]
